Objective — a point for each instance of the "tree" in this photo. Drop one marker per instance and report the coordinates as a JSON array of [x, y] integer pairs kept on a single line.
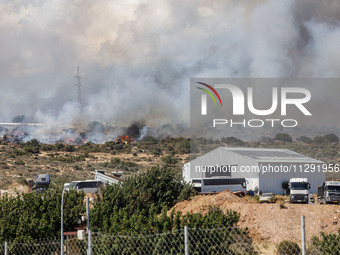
[[35, 216], [332, 138], [141, 197], [320, 139], [283, 137], [32, 146], [232, 141], [304, 139], [33, 142]]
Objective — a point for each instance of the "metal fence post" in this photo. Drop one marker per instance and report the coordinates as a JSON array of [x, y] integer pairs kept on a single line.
[[303, 237], [6, 248], [89, 237], [186, 247], [62, 223], [89, 243]]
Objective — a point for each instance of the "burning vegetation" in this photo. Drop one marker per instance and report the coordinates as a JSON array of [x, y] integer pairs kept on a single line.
[[93, 132]]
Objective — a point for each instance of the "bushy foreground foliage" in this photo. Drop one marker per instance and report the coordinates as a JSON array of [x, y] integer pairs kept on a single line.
[[131, 206], [35, 215], [327, 244], [287, 247], [138, 207]]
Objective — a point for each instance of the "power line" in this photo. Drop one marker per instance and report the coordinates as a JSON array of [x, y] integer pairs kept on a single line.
[[79, 88]]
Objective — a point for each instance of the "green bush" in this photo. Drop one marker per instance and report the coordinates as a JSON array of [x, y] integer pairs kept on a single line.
[[283, 137], [31, 149], [304, 139], [58, 147], [332, 138], [320, 140], [169, 160], [46, 147], [69, 148], [118, 146], [156, 151], [327, 243], [183, 147], [149, 140], [117, 163], [287, 247], [35, 216], [140, 197], [18, 152], [232, 141]]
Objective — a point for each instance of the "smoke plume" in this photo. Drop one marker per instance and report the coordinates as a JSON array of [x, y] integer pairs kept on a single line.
[[136, 57]]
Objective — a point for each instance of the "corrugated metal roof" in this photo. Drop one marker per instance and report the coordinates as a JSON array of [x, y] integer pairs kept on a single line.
[[272, 155]]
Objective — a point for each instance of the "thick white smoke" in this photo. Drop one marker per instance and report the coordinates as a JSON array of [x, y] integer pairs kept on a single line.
[[136, 57]]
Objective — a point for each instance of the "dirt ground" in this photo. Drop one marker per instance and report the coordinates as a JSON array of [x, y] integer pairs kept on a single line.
[[16, 170], [268, 223]]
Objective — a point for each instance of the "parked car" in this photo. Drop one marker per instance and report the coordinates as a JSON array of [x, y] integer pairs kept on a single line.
[[267, 198]]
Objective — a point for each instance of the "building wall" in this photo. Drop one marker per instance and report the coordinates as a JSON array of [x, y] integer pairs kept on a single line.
[[221, 157], [272, 181], [218, 157], [268, 182]]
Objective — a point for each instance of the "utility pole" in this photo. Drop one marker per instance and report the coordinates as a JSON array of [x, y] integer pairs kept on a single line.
[[78, 85]]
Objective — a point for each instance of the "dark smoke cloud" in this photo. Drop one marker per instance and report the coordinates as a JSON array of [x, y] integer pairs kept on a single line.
[[136, 57]]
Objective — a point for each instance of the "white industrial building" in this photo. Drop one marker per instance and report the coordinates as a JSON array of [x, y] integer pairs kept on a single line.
[[263, 169]]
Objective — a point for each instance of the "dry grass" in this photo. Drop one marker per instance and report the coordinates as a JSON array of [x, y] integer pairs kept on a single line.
[[17, 166]]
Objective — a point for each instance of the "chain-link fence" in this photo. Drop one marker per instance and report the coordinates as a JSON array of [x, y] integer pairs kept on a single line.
[[198, 241]]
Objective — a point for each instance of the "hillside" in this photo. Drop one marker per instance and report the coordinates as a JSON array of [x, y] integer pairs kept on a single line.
[[268, 223], [21, 162]]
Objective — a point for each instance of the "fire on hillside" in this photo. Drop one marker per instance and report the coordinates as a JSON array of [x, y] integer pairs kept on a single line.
[[94, 132]]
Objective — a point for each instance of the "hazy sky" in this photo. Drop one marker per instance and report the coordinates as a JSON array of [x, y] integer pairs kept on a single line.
[[136, 57]]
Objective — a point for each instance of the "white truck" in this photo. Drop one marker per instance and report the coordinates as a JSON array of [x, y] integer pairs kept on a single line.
[[299, 190], [41, 184], [329, 192]]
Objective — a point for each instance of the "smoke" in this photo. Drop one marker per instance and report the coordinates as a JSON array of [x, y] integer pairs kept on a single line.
[[136, 57]]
